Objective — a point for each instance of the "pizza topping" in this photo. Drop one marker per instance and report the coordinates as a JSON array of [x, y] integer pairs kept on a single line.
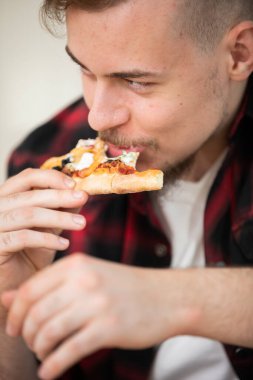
[[86, 143], [128, 158], [116, 166], [58, 168], [85, 161], [83, 164], [88, 156], [67, 160]]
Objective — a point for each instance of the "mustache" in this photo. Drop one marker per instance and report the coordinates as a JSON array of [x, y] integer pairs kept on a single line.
[[113, 137]]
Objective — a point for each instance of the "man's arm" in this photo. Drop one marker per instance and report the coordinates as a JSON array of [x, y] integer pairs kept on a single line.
[[219, 302]]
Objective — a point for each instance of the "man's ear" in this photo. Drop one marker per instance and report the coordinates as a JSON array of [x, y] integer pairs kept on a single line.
[[240, 42]]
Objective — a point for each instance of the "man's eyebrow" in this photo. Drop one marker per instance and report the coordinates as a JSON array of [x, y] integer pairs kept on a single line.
[[124, 74], [133, 74], [74, 58]]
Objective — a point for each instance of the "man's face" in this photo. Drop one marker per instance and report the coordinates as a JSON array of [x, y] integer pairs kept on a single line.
[[146, 84]]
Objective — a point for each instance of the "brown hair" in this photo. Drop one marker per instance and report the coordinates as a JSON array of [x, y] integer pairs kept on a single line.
[[54, 10], [204, 21]]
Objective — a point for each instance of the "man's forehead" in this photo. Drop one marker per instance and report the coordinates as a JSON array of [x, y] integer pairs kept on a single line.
[[140, 12], [103, 6], [126, 38], [133, 27]]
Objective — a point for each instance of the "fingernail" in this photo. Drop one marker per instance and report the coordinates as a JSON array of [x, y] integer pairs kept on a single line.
[[69, 182], [79, 219], [78, 194], [63, 241]]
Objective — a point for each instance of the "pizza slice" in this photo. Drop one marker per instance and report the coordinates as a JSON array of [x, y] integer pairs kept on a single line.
[[96, 173]]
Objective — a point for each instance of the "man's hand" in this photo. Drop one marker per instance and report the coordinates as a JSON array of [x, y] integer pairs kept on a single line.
[[80, 304], [31, 219]]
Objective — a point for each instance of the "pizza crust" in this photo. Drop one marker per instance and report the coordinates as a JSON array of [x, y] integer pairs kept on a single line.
[[95, 184], [107, 183]]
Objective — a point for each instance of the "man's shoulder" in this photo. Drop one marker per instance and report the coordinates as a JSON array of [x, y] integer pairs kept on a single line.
[[53, 138]]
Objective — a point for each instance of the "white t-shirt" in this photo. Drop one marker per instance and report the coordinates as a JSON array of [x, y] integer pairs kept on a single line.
[[180, 210]]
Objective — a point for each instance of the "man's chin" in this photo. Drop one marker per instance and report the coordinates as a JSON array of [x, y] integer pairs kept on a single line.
[[173, 173], [146, 161]]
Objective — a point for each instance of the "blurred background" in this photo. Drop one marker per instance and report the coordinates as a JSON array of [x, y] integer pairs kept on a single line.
[[37, 78]]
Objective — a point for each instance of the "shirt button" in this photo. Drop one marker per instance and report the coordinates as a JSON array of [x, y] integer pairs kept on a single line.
[[238, 350], [160, 250], [243, 353]]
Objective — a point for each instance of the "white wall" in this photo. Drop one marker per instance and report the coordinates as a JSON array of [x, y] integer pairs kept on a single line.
[[36, 77]]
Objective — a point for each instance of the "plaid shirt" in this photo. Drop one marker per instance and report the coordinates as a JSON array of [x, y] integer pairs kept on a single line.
[[124, 228]]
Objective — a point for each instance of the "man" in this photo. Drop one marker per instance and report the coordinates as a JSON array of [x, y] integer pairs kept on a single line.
[[171, 79]]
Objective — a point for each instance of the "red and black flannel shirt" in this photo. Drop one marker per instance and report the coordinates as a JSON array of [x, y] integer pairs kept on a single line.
[[124, 228]]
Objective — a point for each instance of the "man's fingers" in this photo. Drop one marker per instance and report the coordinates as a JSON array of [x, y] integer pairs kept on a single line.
[[35, 288], [30, 217], [71, 351], [45, 314], [43, 337], [53, 199], [16, 241], [36, 178]]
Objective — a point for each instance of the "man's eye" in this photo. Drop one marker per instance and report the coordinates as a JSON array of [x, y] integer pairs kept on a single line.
[[138, 85]]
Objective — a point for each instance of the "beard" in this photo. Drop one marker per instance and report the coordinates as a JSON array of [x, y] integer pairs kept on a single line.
[[173, 173]]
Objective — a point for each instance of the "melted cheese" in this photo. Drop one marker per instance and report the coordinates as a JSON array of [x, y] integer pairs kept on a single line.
[[85, 143], [86, 161], [128, 158]]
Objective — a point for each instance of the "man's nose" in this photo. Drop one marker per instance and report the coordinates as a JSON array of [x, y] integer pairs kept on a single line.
[[107, 110]]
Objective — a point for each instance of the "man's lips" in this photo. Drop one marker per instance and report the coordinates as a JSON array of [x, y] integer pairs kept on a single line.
[[115, 151]]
